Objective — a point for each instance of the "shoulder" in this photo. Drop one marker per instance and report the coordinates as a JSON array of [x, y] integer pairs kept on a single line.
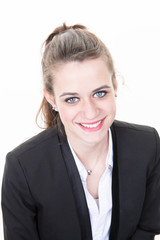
[[138, 141], [136, 133], [132, 127], [36, 157], [37, 142]]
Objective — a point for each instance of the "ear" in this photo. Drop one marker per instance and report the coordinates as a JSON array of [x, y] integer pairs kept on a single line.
[[49, 97], [115, 85]]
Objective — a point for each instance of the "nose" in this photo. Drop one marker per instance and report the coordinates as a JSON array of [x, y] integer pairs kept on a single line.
[[90, 110]]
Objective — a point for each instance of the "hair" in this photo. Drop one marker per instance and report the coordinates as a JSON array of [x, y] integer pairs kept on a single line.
[[66, 44]]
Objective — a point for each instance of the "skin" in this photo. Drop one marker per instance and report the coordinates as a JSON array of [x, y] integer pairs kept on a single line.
[[84, 96]]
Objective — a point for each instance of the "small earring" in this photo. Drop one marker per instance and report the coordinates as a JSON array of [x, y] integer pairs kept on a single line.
[[55, 109], [116, 95]]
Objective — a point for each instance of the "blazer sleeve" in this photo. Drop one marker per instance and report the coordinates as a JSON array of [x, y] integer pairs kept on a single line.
[[18, 208], [149, 224]]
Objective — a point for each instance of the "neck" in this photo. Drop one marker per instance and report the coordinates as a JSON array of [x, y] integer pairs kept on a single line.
[[92, 151]]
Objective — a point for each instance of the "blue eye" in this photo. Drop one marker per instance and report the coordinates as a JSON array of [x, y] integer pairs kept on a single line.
[[100, 94], [71, 100]]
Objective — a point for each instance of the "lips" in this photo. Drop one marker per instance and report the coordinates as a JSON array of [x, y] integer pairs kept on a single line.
[[94, 126]]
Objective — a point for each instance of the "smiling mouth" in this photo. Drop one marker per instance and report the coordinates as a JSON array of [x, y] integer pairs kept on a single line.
[[91, 125], [94, 125]]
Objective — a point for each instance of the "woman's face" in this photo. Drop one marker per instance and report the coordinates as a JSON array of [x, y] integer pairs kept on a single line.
[[85, 99]]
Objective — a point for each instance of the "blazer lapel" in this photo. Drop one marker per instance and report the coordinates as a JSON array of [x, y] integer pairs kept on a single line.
[[128, 187], [115, 190], [78, 191]]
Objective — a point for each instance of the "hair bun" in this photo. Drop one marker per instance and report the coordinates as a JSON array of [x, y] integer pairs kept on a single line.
[[62, 29]]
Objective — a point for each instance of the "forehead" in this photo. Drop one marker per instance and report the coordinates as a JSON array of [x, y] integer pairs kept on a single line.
[[77, 75]]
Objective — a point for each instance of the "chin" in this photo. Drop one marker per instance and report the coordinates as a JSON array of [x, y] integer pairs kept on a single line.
[[94, 138]]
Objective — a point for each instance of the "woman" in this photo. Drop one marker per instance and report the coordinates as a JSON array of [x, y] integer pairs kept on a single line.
[[87, 176]]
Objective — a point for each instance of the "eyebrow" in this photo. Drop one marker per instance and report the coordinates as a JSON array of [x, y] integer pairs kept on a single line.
[[100, 88], [75, 93]]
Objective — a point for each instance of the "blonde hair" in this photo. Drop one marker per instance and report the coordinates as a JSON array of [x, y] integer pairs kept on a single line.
[[65, 44]]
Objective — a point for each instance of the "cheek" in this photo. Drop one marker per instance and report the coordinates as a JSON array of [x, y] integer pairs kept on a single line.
[[66, 114], [111, 106]]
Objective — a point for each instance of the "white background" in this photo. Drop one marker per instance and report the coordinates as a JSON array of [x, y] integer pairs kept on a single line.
[[130, 29]]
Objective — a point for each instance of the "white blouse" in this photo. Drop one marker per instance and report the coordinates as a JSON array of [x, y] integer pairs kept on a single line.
[[100, 210]]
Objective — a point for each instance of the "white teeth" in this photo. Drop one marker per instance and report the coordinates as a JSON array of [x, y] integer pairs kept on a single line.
[[91, 125]]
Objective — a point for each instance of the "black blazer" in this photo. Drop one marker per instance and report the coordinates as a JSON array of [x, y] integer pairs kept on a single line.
[[43, 198]]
